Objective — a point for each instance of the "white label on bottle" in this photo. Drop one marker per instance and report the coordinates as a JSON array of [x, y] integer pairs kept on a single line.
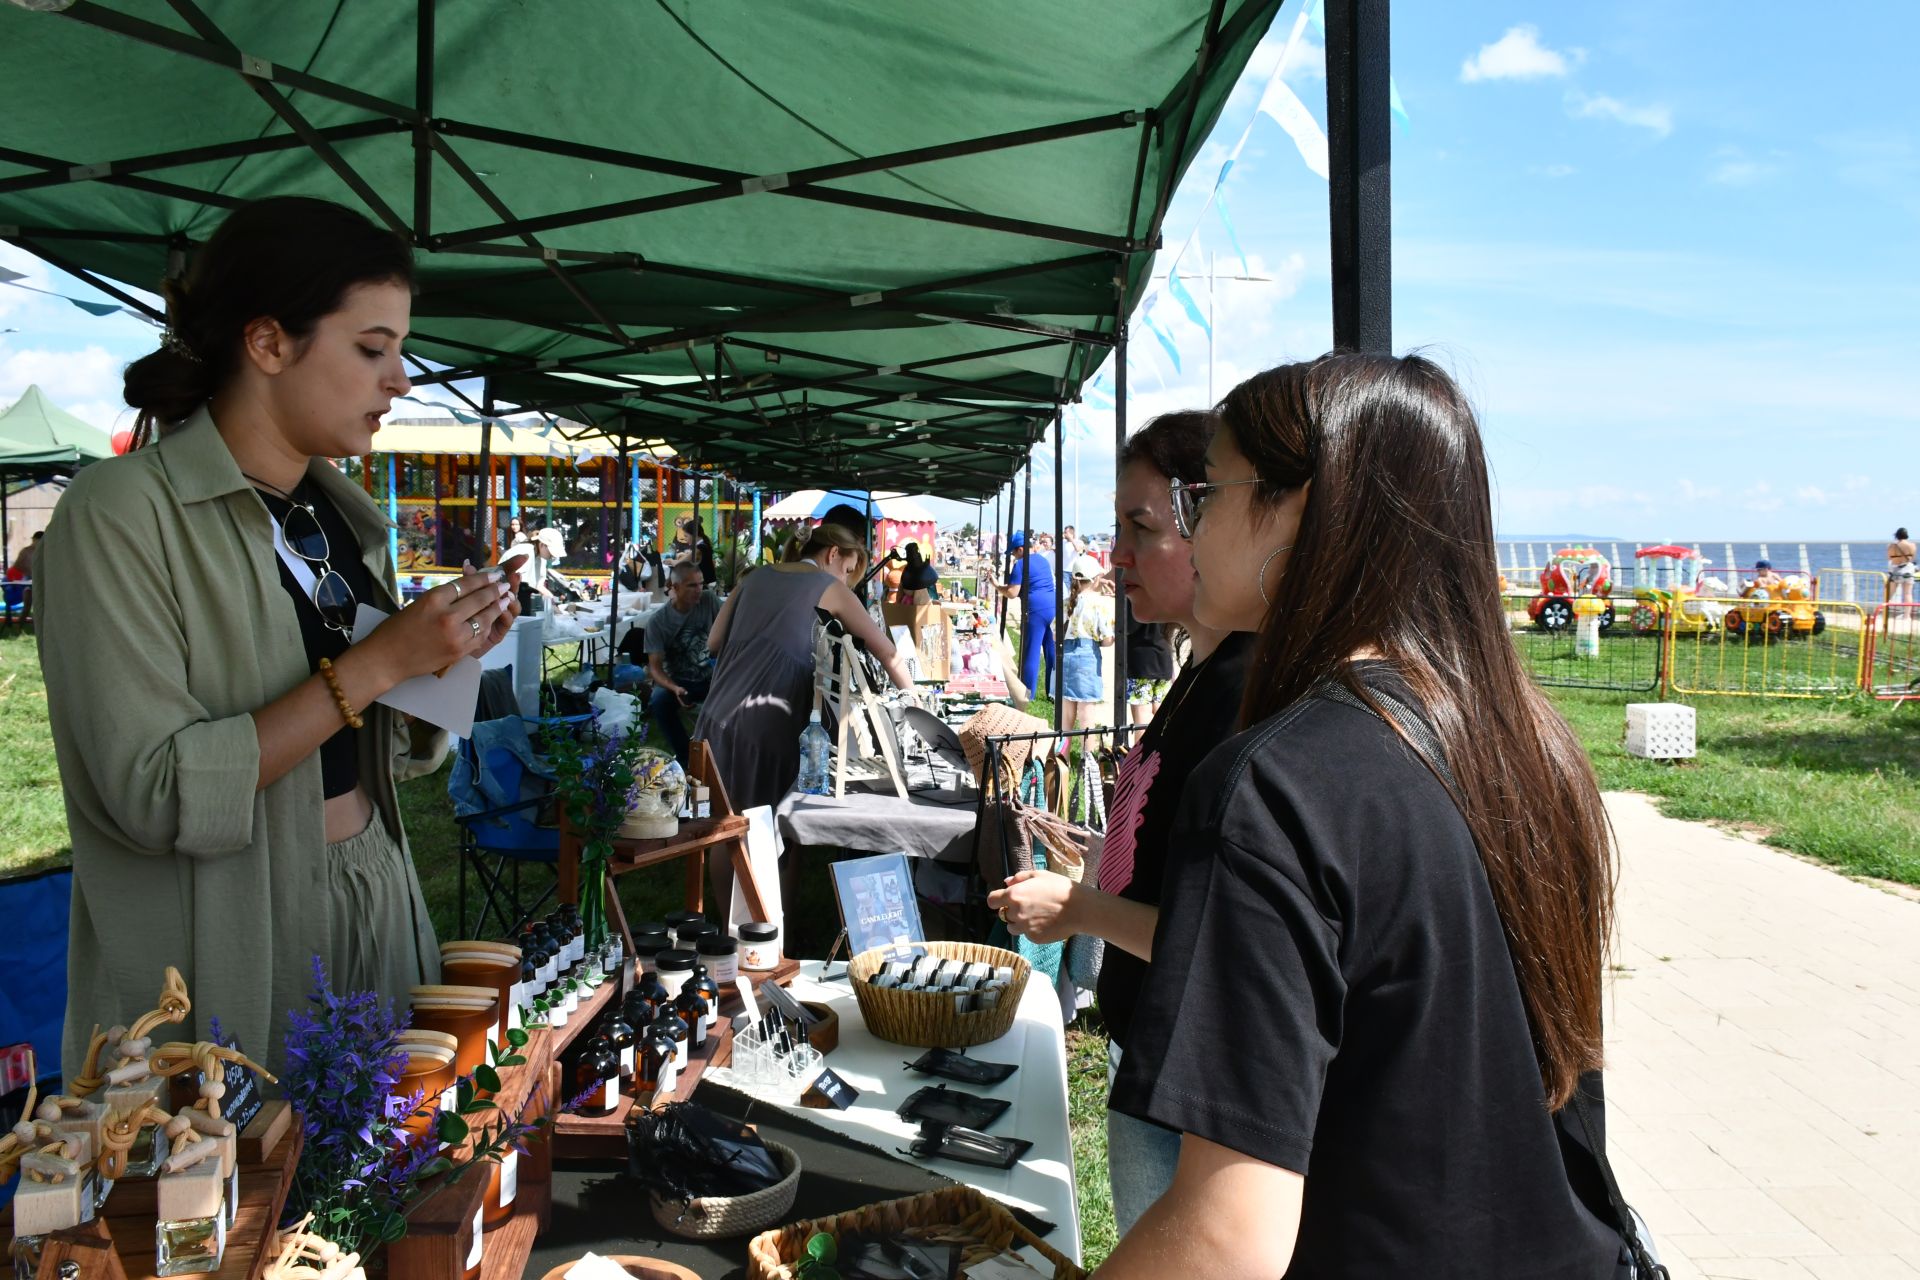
[[626, 1061], [670, 1074], [493, 1034], [680, 1055], [610, 1094], [479, 1227], [509, 1178], [699, 1032]]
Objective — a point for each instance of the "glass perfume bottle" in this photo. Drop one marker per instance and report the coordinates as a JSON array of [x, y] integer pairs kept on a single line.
[[708, 990], [654, 1069], [598, 1078], [694, 1012], [191, 1234]]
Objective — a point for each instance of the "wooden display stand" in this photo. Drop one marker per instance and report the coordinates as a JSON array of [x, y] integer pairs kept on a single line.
[[119, 1243], [725, 832]]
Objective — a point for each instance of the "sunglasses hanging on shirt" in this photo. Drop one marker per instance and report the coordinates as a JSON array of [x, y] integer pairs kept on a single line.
[[300, 533]]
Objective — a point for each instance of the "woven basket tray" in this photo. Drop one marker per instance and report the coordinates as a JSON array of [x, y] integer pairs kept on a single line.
[[958, 1213], [927, 1018], [716, 1216]]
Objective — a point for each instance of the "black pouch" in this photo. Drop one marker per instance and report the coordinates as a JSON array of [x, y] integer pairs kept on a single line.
[[941, 1105], [895, 1258], [958, 1066], [968, 1146]]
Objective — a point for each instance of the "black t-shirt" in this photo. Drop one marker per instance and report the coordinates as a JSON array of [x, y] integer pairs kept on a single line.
[[339, 760], [1197, 714], [1331, 993], [1149, 655]]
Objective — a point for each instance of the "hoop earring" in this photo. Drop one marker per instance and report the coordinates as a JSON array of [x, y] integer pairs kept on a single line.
[[1264, 598]]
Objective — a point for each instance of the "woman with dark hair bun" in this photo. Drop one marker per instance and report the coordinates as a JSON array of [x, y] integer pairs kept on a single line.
[[228, 772], [1373, 1013]]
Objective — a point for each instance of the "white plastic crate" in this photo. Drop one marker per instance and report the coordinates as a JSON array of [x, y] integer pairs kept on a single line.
[[1660, 730]]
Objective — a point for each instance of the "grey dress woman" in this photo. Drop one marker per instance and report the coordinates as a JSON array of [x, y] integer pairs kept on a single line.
[[762, 689]]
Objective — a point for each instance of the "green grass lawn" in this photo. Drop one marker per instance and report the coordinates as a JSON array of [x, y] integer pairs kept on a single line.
[[1835, 780]]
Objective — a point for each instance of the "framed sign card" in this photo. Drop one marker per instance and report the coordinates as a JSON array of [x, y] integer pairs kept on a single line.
[[877, 904]]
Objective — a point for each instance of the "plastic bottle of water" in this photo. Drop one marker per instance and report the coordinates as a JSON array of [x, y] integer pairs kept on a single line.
[[814, 748]]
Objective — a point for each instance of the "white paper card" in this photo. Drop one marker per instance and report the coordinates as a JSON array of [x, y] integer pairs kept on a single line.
[[1005, 1267], [446, 701], [744, 985], [763, 855]]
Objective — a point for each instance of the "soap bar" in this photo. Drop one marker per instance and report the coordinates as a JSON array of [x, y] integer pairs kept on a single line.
[[198, 1192], [125, 1099], [51, 1166]]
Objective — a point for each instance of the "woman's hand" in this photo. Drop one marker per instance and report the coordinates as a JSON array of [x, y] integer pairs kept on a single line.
[[1037, 905], [504, 623], [453, 621]]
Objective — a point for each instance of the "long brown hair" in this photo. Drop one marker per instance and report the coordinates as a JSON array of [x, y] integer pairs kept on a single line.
[[1395, 554]]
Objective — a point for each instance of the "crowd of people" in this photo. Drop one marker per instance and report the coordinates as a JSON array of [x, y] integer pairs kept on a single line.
[[1354, 974]]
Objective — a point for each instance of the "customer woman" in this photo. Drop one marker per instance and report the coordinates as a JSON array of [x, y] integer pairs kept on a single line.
[[763, 679], [228, 772], [1377, 969], [1157, 571], [1089, 630]]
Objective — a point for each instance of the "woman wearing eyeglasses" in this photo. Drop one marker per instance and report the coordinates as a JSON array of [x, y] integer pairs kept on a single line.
[[227, 771], [1373, 1012]]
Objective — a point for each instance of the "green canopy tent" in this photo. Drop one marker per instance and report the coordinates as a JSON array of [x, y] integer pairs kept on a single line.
[[39, 439], [881, 235], [888, 240]]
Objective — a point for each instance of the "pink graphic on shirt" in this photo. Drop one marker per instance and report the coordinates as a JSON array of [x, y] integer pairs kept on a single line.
[[1124, 816]]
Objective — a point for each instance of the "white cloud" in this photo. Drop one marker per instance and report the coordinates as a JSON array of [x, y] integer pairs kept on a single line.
[[1655, 117], [1733, 167], [86, 383], [1518, 55], [1554, 170], [1812, 494]]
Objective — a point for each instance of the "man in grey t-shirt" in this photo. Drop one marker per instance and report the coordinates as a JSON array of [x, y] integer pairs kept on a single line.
[[678, 660]]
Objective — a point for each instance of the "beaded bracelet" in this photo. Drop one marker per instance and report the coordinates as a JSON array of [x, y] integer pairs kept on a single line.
[[347, 712]]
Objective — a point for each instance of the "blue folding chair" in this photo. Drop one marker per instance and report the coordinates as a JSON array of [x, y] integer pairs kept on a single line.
[[498, 839]]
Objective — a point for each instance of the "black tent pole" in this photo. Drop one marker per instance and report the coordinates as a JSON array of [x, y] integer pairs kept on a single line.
[[622, 477], [1359, 187], [482, 482], [1006, 549], [1119, 450], [1026, 586], [1066, 571]]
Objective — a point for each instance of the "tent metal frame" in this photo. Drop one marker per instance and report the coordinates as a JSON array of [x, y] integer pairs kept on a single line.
[[1359, 136]]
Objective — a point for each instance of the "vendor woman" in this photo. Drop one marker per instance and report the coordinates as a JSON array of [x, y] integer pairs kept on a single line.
[[228, 773]]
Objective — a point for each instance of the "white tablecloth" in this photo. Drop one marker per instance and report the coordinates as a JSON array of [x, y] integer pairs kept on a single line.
[[1042, 1182], [562, 629]]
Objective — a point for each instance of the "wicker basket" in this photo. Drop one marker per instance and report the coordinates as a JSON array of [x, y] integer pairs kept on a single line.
[[926, 1018], [716, 1216], [996, 719], [959, 1214]]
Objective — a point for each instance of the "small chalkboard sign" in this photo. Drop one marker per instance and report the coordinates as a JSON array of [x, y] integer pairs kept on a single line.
[[830, 1091], [243, 1098]]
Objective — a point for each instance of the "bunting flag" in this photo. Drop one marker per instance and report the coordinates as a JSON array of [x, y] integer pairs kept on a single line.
[[1233, 238], [1166, 340], [1184, 297], [1283, 105], [9, 276]]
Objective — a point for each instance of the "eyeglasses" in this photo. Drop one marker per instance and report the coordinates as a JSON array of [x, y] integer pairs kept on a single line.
[[1189, 499], [331, 594]]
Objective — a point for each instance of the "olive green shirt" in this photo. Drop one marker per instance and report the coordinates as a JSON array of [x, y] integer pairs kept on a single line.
[[163, 627]]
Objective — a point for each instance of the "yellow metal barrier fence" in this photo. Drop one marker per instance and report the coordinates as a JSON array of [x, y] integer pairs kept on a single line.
[[1893, 652], [1767, 647]]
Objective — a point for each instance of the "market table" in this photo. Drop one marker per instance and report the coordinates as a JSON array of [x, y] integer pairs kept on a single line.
[[596, 1208], [927, 824]]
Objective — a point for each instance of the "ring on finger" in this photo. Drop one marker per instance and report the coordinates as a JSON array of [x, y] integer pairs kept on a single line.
[[1003, 915], [456, 591], [475, 624]]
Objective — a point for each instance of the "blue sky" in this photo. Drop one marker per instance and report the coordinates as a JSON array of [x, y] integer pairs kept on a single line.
[[1670, 248]]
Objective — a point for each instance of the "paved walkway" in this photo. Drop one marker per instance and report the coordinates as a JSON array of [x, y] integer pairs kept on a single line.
[[1763, 1081]]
